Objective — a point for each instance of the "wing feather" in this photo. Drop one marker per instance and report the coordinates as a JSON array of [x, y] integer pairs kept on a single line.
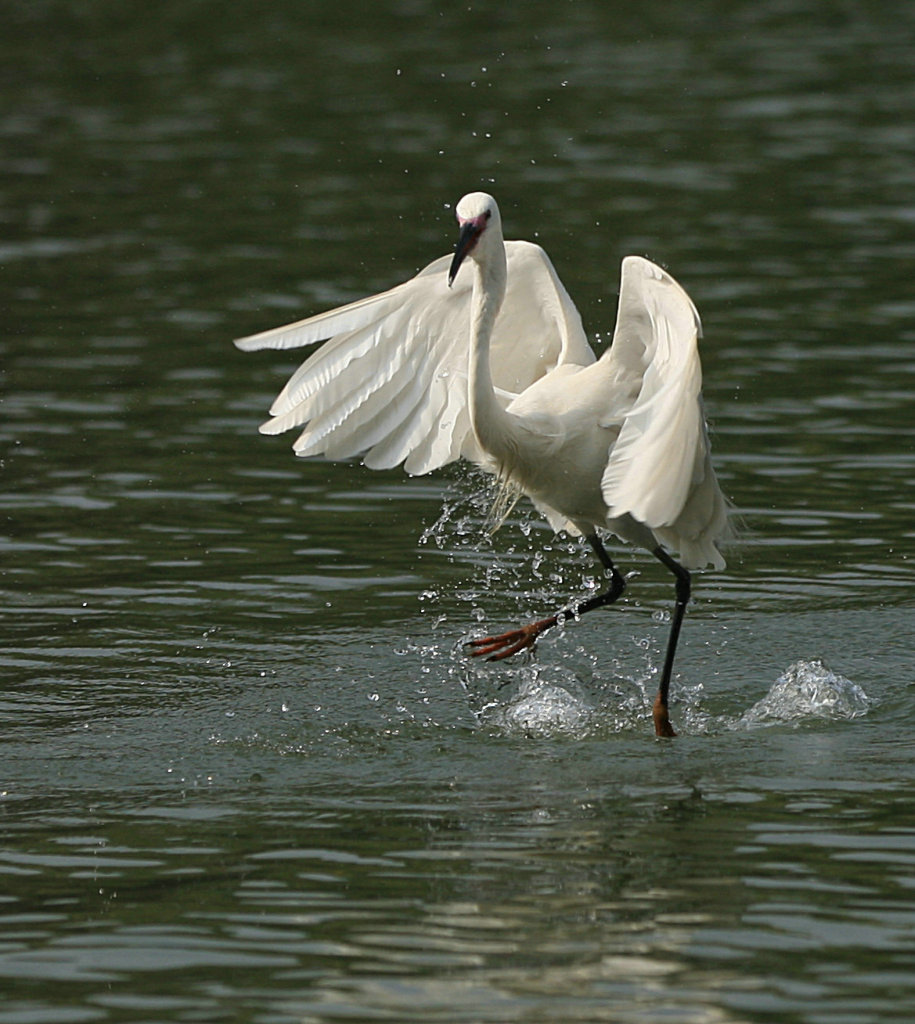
[[381, 413], [390, 381], [659, 470]]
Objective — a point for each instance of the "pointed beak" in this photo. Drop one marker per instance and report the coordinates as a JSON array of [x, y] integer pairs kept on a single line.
[[467, 239]]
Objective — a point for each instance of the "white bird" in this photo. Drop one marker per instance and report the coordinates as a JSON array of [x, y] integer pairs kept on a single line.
[[497, 369]]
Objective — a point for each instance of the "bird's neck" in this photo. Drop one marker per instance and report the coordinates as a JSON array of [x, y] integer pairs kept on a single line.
[[487, 416]]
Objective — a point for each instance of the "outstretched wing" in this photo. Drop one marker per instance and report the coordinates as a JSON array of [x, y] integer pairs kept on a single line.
[[659, 470], [391, 381]]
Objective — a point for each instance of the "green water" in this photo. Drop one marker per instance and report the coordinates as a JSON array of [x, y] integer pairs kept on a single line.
[[247, 773]]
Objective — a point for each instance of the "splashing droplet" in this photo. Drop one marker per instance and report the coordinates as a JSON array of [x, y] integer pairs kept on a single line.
[[807, 690]]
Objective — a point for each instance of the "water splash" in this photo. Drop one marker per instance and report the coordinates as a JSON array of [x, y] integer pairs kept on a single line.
[[542, 708], [568, 699], [807, 690], [573, 695], [465, 507]]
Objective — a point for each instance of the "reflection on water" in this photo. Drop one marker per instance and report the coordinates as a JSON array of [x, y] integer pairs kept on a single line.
[[248, 772], [615, 898]]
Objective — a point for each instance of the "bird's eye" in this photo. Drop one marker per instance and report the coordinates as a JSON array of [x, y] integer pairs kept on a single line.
[[488, 214]]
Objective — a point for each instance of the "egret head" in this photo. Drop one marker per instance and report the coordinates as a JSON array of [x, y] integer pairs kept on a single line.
[[478, 217]]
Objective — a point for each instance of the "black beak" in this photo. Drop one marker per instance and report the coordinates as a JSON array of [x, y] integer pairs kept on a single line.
[[467, 239]]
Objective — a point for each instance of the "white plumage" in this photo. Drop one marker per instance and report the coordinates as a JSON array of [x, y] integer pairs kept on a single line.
[[496, 369]]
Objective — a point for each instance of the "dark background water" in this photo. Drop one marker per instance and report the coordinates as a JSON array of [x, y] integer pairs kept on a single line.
[[247, 773]]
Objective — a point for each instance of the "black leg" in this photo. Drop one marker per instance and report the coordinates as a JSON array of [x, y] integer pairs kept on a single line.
[[617, 583], [684, 586], [506, 644]]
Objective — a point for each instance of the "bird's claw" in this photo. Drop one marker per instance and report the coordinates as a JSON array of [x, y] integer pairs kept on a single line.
[[496, 648]]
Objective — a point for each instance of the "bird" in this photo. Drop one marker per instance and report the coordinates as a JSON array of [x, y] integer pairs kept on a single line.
[[494, 367]]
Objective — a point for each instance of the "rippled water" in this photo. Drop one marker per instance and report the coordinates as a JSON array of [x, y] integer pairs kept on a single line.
[[248, 773]]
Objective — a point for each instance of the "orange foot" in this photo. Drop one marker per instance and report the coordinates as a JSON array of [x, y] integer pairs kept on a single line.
[[495, 648], [662, 726]]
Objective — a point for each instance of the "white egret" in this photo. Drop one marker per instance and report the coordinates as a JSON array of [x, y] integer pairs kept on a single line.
[[497, 370]]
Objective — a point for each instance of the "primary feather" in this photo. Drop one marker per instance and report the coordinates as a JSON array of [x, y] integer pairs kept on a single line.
[[391, 381]]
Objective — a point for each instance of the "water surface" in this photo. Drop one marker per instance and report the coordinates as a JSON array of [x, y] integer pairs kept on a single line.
[[248, 773]]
